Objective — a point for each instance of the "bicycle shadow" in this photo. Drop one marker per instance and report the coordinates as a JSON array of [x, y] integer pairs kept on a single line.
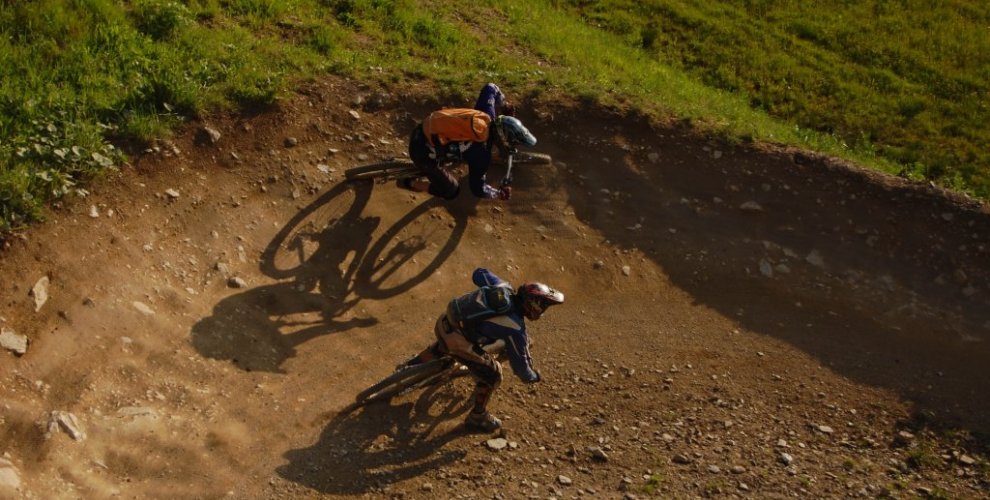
[[329, 259], [367, 450]]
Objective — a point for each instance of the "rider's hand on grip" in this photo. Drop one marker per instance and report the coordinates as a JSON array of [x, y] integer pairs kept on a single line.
[[505, 192]]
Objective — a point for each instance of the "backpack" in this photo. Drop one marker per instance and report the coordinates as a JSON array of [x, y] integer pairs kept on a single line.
[[466, 311], [456, 125]]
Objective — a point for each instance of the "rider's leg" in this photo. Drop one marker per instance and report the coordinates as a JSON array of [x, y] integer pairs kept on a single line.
[[478, 158], [430, 353], [487, 372], [441, 182], [419, 153], [488, 377], [435, 350]]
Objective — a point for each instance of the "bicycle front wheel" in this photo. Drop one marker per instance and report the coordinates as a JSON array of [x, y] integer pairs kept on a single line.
[[528, 158], [402, 380], [385, 169]]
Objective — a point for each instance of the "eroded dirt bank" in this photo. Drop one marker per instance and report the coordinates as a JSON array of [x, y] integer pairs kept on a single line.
[[740, 321]]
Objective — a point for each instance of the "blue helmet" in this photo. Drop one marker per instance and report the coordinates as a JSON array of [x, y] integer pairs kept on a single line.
[[513, 132]]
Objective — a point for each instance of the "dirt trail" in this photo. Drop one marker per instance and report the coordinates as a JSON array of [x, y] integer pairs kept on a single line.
[[741, 321]]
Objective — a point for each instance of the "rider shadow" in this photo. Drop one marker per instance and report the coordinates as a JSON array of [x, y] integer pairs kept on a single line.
[[367, 450], [329, 259]]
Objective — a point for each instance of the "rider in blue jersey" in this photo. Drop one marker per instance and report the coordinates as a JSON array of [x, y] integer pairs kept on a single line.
[[465, 327], [504, 131]]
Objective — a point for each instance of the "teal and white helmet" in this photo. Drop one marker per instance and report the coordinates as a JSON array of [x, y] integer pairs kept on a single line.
[[512, 131]]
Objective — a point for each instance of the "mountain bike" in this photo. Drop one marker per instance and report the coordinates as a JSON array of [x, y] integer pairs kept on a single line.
[[435, 372], [396, 168]]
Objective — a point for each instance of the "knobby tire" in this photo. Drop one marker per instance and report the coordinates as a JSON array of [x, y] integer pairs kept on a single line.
[[438, 370], [528, 158], [402, 380]]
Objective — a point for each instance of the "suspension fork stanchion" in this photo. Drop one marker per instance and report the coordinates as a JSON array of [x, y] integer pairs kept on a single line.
[[508, 173]]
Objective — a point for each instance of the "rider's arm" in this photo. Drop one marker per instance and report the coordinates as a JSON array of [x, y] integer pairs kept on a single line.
[[478, 159], [517, 347], [490, 97], [510, 328]]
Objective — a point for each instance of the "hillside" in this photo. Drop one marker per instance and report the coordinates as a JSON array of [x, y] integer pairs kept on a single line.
[[741, 321]]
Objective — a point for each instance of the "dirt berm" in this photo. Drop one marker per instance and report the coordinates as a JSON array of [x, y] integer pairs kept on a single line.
[[741, 320]]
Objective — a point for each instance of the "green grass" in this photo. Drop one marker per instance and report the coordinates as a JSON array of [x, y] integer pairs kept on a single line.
[[909, 79], [900, 89]]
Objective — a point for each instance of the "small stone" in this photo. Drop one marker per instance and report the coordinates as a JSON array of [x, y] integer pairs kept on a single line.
[[172, 193], [786, 458], [766, 269], [211, 134], [751, 206], [291, 142], [9, 477], [10, 340], [967, 460], [824, 429], [426, 487], [714, 469], [564, 480], [354, 114], [66, 421], [737, 469], [680, 459], [653, 157], [94, 212], [496, 443], [137, 411], [814, 258], [40, 292], [598, 454], [626, 270], [143, 308], [236, 282], [598, 264]]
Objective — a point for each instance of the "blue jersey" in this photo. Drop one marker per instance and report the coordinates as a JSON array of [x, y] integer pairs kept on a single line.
[[510, 327]]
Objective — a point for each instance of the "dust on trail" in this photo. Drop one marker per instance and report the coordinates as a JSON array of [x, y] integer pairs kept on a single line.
[[727, 304]]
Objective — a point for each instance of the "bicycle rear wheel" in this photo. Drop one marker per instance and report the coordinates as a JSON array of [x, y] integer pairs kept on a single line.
[[402, 380], [385, 169]]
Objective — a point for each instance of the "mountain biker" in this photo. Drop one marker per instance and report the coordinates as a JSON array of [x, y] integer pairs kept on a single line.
[[492, 312], [430, 145]]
